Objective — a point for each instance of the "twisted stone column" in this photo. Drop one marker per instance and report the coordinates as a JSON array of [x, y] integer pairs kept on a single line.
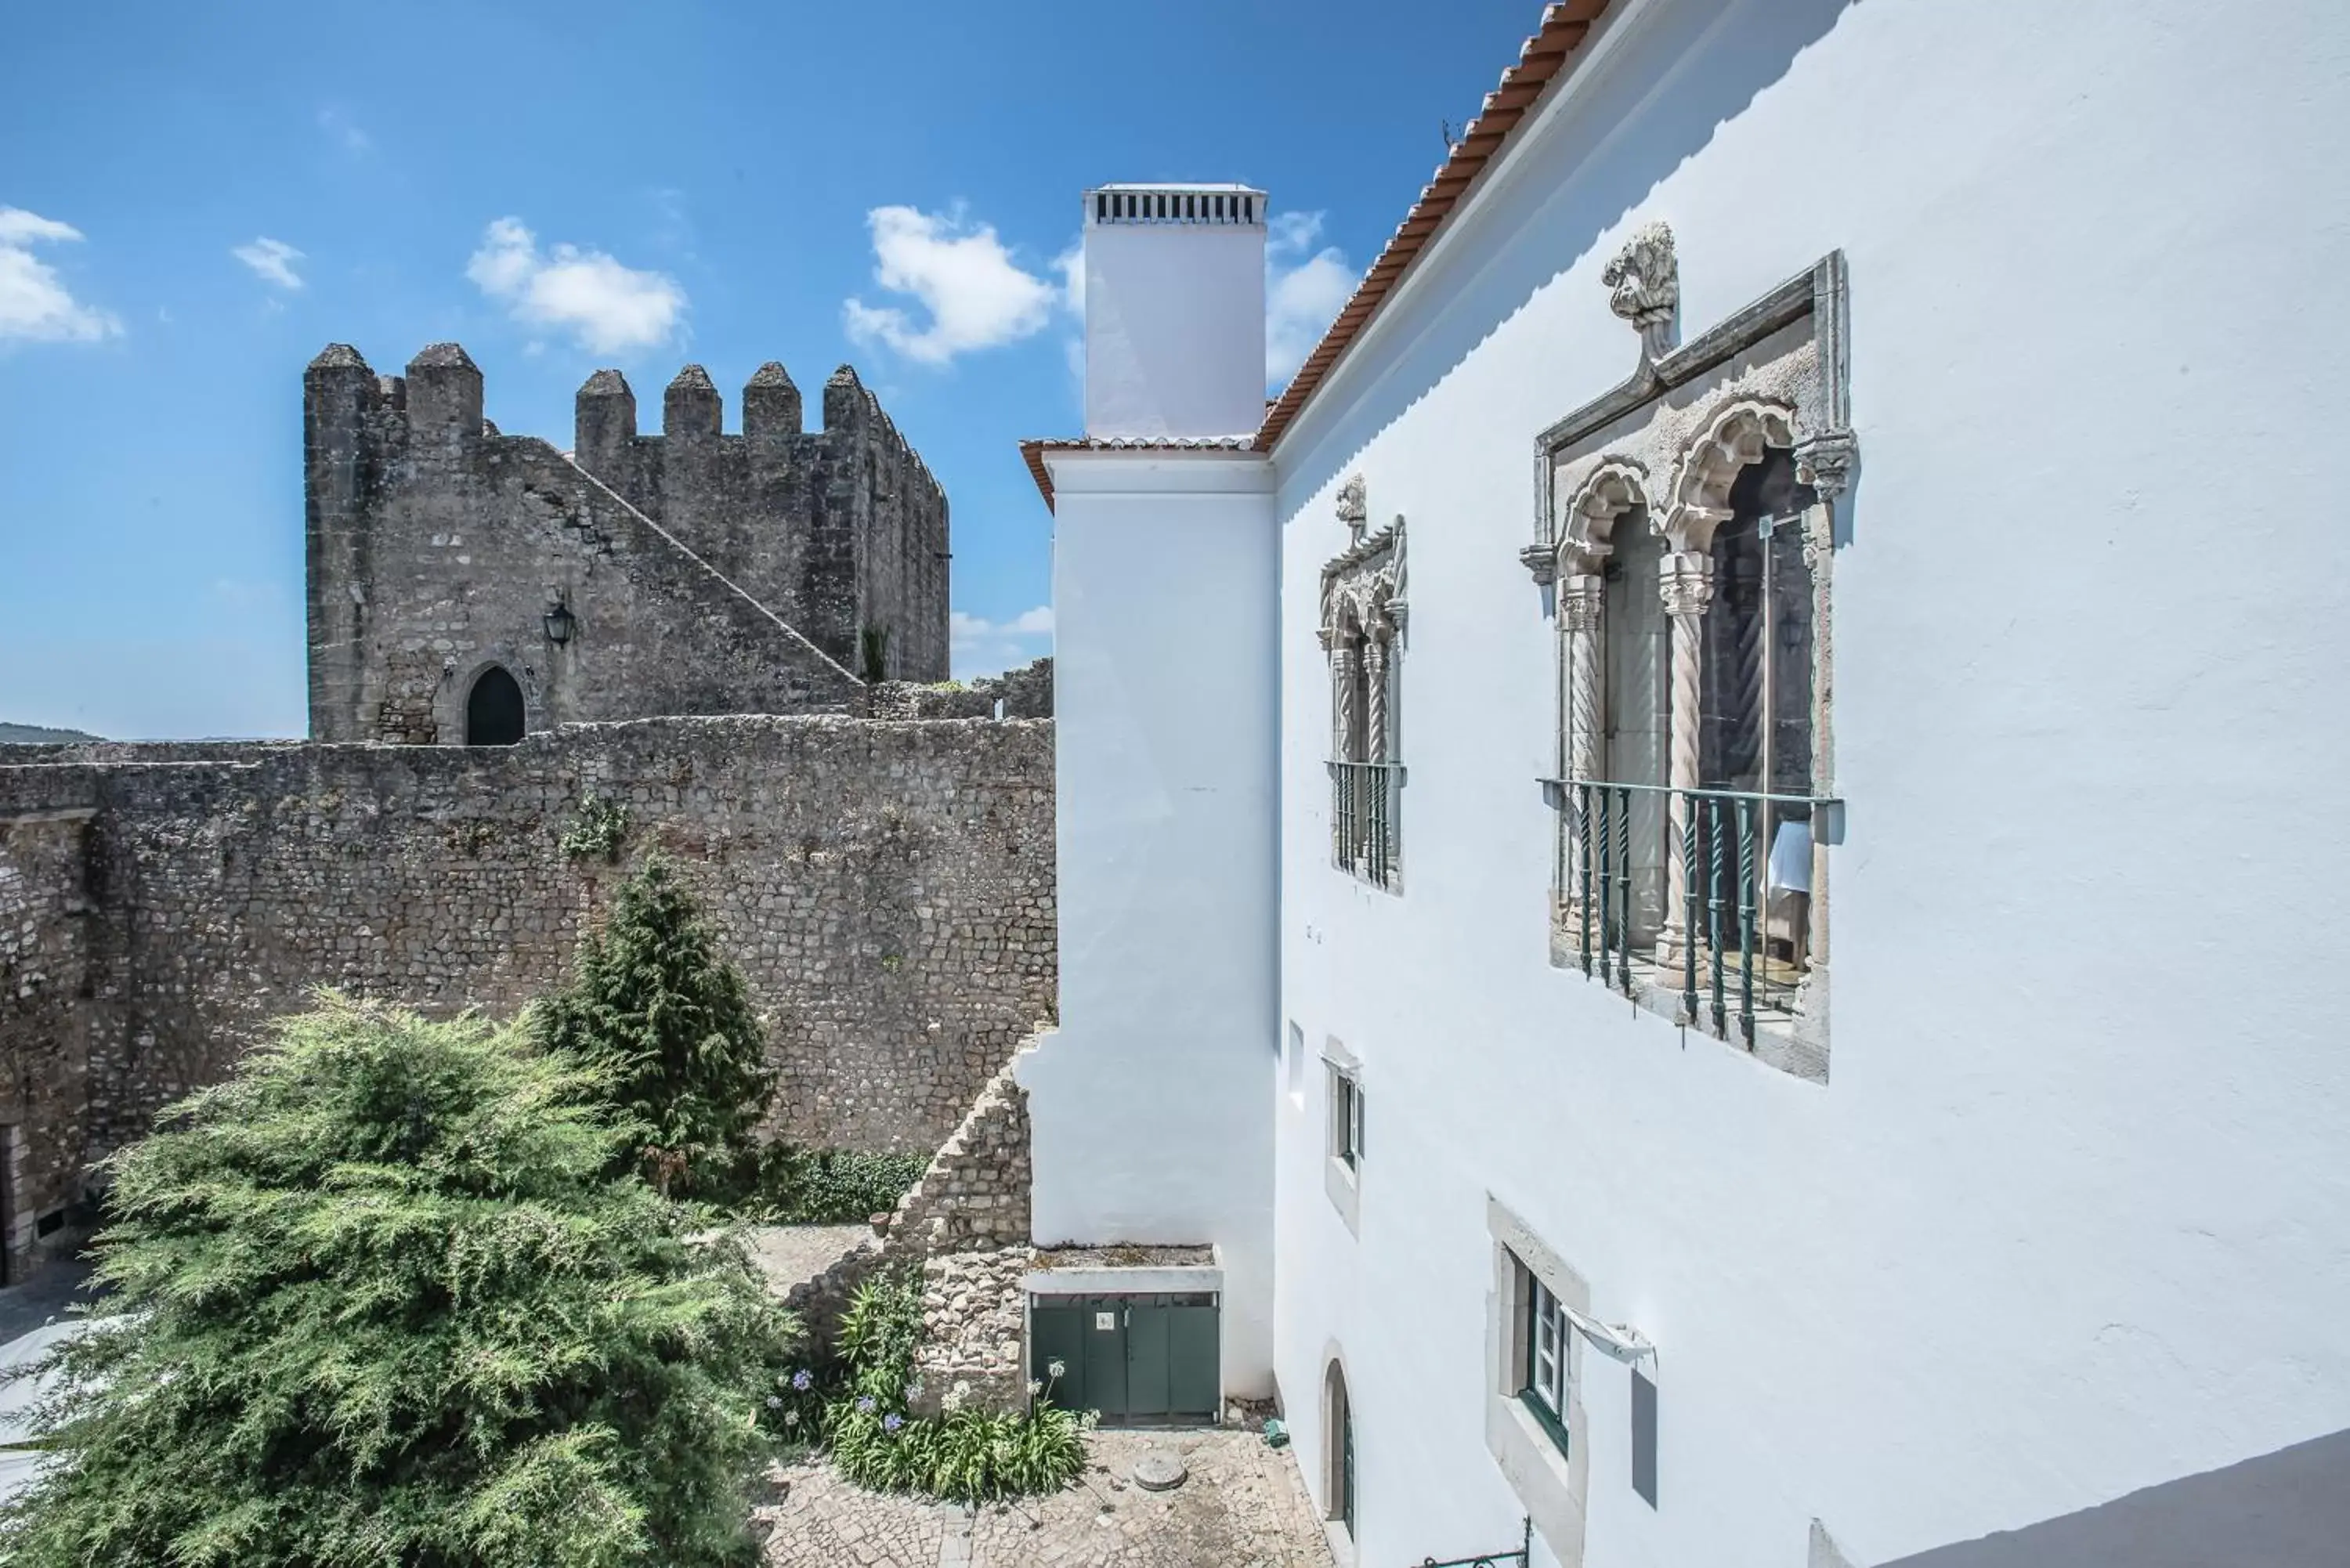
[[1375, 689], [1582, 600], [1687, 584]]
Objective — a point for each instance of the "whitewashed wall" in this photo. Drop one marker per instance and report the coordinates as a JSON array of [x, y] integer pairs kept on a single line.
[[2072, 1216], [1148, 1104]]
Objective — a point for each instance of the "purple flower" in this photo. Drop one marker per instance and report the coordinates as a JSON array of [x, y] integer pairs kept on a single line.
[[802, 1379], [865, 1403], [891, 1423]]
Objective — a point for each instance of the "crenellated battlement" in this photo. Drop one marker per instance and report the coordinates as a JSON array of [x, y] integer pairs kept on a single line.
[[840, 533]]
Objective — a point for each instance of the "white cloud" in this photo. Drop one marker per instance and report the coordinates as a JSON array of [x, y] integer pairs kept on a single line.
[[1304, 289], [34, 300], [271, 260], [607, 306], [984, 647], [975, 294]]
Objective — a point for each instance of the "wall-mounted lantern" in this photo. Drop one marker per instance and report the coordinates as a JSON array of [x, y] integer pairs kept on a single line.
[[560, 623]]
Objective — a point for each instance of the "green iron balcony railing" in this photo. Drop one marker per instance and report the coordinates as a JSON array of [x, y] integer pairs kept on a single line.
[[1362, 819], [1741, 858]]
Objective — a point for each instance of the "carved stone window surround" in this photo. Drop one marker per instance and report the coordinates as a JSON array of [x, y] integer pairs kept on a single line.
[[1772, 376], [1364, 614]]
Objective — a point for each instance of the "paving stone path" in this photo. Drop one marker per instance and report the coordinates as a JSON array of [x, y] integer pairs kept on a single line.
[[1243, 1505]]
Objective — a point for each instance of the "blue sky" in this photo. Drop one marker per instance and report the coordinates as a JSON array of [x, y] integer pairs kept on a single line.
[[194, 200]]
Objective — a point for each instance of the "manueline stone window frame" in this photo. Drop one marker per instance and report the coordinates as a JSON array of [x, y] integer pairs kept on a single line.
[[1655, 461], [1364, 615]]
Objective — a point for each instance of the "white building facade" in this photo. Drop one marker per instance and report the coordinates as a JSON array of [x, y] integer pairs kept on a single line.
[[1807, 871]]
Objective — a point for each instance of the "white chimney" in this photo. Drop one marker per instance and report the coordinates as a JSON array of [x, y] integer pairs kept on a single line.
[[1174, 310]]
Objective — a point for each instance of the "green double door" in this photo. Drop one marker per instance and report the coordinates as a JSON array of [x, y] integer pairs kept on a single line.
[[1133, 1358]]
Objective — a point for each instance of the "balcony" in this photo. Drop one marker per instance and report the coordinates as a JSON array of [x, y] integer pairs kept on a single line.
[[1696, 903], [1363, 797]]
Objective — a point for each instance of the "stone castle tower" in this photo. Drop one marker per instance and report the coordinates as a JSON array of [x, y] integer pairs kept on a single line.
[[466, 585]]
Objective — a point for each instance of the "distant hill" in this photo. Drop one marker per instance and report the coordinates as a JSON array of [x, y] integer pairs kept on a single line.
[[38, 735]]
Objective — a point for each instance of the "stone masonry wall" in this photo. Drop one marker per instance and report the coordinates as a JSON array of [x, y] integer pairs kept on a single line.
[[436, 547], [887, 888], [838, 529], [1025, 693], [974, 1196], [46, 927]]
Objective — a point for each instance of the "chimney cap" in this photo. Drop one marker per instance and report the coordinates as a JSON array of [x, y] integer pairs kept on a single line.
[[1171, 186], [1186, 203]]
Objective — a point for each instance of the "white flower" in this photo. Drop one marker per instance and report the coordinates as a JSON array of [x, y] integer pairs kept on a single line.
[[1035, 1387], [1056, 1369], [791, 1417], [774, 1403]]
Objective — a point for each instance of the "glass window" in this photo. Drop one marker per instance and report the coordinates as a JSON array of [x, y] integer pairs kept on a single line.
[[1346, 1121], [1547, 1347]]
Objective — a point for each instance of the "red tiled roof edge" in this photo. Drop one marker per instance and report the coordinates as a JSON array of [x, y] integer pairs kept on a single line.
[[1563, 28]]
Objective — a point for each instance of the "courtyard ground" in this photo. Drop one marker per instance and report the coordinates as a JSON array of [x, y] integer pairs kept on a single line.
[[1243, 1506]]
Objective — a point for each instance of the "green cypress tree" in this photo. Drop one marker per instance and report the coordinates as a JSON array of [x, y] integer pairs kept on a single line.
[[378, 1299], [654, 1008]]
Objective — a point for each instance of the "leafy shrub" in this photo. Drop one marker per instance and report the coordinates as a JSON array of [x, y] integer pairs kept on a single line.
[[378, 1300], [831, 1186], [597, 832], [663, 1020], [963, 1455]]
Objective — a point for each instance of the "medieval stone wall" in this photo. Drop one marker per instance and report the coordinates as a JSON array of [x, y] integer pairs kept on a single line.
[[437, 546], [45, 929], [887, 888], [1023, 693]]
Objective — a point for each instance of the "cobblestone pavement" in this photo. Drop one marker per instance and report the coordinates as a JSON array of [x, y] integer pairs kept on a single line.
[[1242, 1507]]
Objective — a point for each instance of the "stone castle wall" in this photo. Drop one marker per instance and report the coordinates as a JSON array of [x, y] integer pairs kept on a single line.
[[45, 973], [704, 573], [1023, 693], [887, 888], [836, 530]]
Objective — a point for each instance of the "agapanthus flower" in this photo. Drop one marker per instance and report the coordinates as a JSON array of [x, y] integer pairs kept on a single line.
[[892, 1422], [865, 1403], [803, 1380], [1057, 1368], [775, 1403], [791, 1417]]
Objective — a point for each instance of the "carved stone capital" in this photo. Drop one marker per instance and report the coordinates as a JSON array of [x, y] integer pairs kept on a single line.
[[1685, 582], [1542, 561], [1398, 614], [1581, 599], [1644, 283], [1688, 527], [1826, 461]]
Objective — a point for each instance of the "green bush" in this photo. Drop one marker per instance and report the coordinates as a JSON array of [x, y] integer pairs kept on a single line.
[[962, 1456], [378, 1299], [595, 833], [831, 1186], [660, 1016]]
